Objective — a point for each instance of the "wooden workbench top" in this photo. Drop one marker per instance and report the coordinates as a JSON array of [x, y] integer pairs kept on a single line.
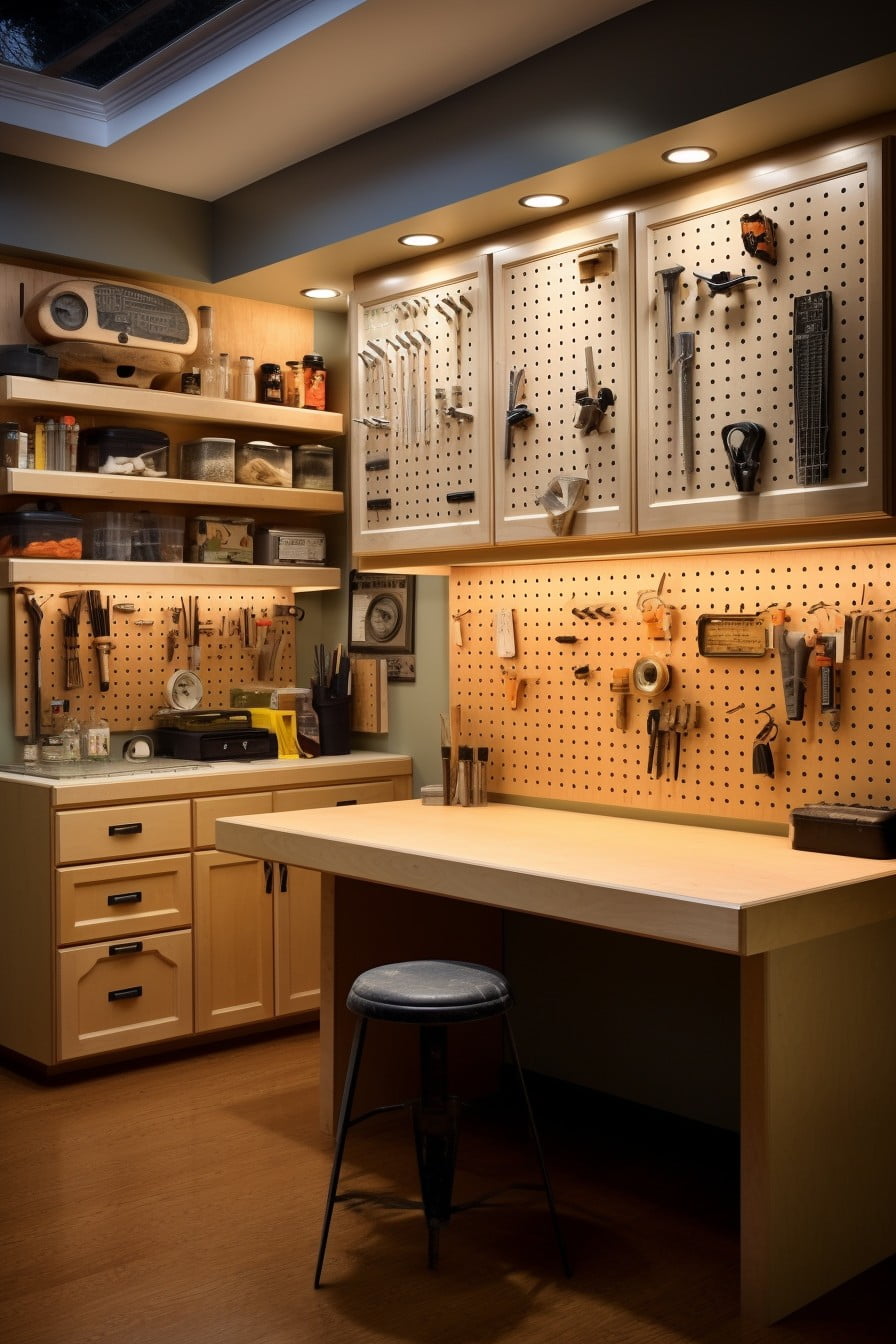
[[733, 891]]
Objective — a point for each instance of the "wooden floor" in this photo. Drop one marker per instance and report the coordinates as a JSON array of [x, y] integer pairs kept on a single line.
[[180, 1203]]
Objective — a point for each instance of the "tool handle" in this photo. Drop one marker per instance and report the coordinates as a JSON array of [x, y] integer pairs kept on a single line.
[[103, 646]]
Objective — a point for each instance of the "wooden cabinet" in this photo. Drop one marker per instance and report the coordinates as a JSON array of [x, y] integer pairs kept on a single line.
[[121, 924]]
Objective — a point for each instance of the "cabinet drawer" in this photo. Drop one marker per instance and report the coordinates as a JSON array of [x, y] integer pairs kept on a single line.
[[122, 832], [115, 900], [119, 994], [334, 795], [206, 812]]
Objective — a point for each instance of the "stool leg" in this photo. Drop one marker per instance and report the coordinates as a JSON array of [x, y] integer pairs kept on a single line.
[[548, 1189], [342, 1126], [435, 1134]]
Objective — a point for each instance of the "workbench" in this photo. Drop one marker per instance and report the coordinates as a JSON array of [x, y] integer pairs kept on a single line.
[[815, 935]]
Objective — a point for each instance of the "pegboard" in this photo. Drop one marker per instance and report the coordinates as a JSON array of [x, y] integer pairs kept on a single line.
[[829, 222], [139, 663], [555, 299], [420, 398], [561, 741]]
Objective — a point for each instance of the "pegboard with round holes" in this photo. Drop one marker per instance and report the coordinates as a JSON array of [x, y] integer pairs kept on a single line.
[[421, 432], [560, 740], [829, 224], [139, 663], [555, 298]]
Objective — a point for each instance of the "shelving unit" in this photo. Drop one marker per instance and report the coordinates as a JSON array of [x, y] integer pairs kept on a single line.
[[171, 409]]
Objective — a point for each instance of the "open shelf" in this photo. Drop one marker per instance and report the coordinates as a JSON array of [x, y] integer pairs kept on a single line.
[[96, 486], [298, 578], [143, 401]]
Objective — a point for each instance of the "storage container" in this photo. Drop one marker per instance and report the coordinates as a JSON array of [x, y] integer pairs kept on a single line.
[[289, 546], [107, 536], [221, 541], [848, 828], [41, 534], [118, 451], [208, 459], [312, 466], [259, 463], [158, 537]]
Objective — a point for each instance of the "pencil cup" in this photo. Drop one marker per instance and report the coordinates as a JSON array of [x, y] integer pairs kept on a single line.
[[334, 717]]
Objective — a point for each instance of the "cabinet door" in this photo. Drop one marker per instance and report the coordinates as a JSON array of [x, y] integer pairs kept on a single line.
[[297, 940], [233, 929]]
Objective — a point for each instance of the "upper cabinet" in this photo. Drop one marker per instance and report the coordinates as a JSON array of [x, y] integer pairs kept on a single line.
[[421, 409], [760, 373], [564, 384], [681, 365]]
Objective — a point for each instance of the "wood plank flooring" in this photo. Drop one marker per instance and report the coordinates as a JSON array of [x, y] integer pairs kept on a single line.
[[180, 1203]]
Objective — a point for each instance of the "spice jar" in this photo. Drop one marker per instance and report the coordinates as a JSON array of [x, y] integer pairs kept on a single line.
[[270, 388], [314, 381], [292, 395], [247, 378]]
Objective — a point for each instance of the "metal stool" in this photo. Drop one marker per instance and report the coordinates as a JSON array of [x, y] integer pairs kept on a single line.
[[430, 995]]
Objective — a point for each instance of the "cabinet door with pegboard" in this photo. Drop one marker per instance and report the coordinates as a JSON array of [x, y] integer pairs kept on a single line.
[[564, 383], [421, 432], [760, 312]]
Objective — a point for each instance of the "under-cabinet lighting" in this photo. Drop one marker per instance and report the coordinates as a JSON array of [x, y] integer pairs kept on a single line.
[[420, 239], [689, 154], [321, 292]]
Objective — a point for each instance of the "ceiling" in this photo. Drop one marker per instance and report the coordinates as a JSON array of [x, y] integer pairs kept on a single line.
[[366, 64]]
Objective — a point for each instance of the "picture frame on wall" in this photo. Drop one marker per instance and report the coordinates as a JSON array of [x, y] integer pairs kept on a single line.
[[381, 613]]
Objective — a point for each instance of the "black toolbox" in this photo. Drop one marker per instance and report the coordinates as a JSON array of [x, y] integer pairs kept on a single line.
[[859, 832]]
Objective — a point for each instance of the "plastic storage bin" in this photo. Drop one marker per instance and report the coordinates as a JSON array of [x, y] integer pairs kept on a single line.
[[208, 459], [158, 538], [43, 535], [107, 536], [260, 463], [312, 466], [123, 451]]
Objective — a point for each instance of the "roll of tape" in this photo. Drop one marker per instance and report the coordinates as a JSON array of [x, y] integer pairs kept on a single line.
[[138, 748], [650, 676]]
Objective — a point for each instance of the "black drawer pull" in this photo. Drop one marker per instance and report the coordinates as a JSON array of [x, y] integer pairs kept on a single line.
[[347, 802], [123, 949], [461, 497], [132, 992], [127, 828], [125, 898]]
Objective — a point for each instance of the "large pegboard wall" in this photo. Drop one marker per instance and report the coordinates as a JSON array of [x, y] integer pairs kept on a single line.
[[827, 216], [561, 741], [143, 658]]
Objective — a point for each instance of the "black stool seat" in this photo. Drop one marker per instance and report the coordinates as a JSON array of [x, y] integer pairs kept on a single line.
[[430, 991], [433, 996]]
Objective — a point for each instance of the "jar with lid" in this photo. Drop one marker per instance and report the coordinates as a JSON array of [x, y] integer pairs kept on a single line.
[[314, 383], [247, 388], [270, 389], [206, 355], [292, 390], [312, 466]]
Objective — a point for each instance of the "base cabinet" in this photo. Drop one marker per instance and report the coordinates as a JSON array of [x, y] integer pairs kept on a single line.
[[297, 941]]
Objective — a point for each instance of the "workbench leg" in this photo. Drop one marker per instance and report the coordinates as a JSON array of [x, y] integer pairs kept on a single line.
[[818, 1116]]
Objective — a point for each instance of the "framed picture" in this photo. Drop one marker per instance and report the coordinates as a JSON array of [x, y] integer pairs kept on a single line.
[[381, 613]]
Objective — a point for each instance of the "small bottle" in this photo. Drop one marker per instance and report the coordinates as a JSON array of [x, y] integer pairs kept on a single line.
[[206, 355], [224, 375], [71, 739], [95, 739], [307, 724], [292, 395], [247, 378], [314, 383], [270, 388], [72, 432], [51, 746]]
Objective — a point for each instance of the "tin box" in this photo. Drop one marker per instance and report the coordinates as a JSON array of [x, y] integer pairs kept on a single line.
[[221, 541], [289, 546]]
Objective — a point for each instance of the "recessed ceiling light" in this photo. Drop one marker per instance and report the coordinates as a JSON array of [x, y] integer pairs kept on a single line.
[[420, 239], [321, 292], [689, 154], [544, 200]]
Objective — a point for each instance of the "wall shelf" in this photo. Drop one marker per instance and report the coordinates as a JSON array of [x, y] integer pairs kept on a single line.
[[298, 578], [142, 401], [96, 486]]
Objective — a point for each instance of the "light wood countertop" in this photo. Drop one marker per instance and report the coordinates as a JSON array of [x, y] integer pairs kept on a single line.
[[729, 890]]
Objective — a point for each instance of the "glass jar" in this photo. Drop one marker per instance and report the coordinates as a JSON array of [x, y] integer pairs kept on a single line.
[[270, 389], [247, 390], [314, 383], [292, 395], [207, 356], [312, 466]]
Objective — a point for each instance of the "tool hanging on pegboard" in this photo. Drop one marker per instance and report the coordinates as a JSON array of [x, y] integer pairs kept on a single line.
[[759, 235]]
